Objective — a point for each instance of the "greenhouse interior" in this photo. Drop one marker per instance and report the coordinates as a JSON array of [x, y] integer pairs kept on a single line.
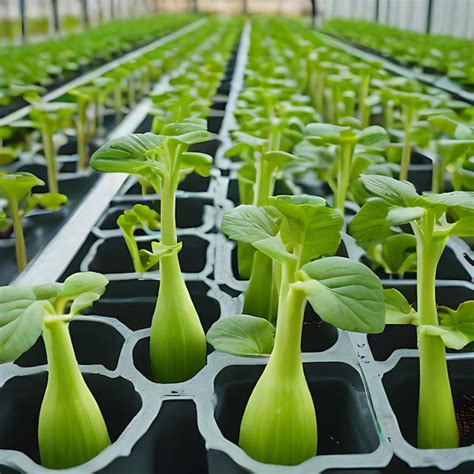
[[237, 236]]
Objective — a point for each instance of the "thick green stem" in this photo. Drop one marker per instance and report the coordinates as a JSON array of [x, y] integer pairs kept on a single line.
[[178, 342], [71, 427], [50, 155], [343, 175], [320, 93], [259, 298], [279, 423], [263, 183], [406, 152], [388, 114], [437, 426], [20, 247], [364, 115]]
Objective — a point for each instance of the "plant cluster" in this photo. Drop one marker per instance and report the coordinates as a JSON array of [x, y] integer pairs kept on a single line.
[[45, 63], [443, 54]]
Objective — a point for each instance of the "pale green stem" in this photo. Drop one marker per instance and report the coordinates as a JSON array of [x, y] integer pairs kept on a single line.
[[437, 426], [50, 155], [363, 94], [20, 247], [346, 150], [81, 137]]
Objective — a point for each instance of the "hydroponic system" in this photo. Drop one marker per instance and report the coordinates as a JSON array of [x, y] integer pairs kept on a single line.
[[237, 243]]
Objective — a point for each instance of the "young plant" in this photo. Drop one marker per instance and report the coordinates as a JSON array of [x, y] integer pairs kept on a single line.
[[397, 203], [71, 428], [410, 103], [16, 189], [346, 138], [177, 344], [458, 149], [49, 117], [279, 423]]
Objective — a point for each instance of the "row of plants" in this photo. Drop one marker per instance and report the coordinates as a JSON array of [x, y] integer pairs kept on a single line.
[[30, 70], [77, 124], [71, 427], [293, 246], [287, 243], [441, 54]]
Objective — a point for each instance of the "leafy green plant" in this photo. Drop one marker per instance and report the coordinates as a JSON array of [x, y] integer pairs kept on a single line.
[[71, 428], [16, 189], [346, 138], [397, 203], [279, 423], [177, 345], [48, 118]]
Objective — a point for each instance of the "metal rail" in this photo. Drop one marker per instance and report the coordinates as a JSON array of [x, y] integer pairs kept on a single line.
[[90, 75]]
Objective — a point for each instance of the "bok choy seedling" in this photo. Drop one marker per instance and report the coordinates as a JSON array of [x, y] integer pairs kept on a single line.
[[397, 203], [279, 423], [71, 428], [16, 189], [178, 344], [346, 138]]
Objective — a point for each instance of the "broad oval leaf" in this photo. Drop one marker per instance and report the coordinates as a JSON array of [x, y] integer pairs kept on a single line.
[[83, 289], [398, 310], [250, 223], [345, 293], [242, 335], [392, 191], [18, 185]]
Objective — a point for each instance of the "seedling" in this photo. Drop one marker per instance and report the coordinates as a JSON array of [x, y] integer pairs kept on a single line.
[[49, 117], [397, 203], [71, 428], [178, 344], [16, 189], [346, 138], [279, 423]]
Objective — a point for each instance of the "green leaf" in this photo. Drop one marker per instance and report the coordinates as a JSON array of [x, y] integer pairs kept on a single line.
[[392, 191], [126, 154], [278, 159], [274, 248], [399, 253], [250, 223], [242, 335], [457, 199], [20, 334], [404, 215], [250, 140], [199, 162], [321, 133], [158, 251], [52, 201], [18, 185], [369, 225], [459, 324], [310, 224], [464, 227], [375, 137], [83, 289], [398, 310], [345, 293]]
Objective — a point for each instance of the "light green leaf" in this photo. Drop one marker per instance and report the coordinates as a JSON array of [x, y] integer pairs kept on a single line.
[[398, 310], [158, 251], [20, 334], [345, 293], [250, 223], [404, 215], [242, 335], [464, 227], [399, 253], [83, 289], [309, 225], [199, 162], [456, 326], [52, 201], [369, 225], [278, 159], [18, 185], [457, 199], [375, 137], [392, 191], [274, 248], [321, 133]]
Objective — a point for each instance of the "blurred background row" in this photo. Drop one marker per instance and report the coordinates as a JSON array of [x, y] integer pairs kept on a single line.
[[46, 18]]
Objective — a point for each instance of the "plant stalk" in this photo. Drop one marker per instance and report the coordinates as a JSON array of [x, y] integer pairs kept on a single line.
[[50, 155], [364, 116], [343, 175], [20, 247], [437, 426]]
